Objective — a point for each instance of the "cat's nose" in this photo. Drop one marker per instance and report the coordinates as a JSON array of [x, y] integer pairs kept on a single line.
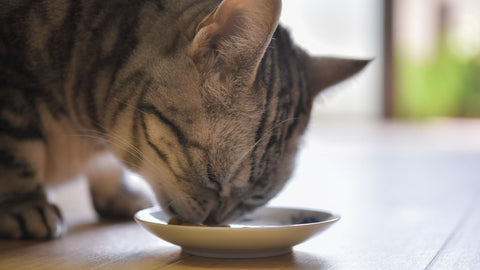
[[215, 217], [190, 209], [211, 220], [226, 211]]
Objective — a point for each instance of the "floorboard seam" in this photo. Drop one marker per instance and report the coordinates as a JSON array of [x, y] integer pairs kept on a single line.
[[183, 256], [456, 229]]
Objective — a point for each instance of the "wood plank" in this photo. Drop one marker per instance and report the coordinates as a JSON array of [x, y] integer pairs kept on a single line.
[[402, 204], [462, 250], [295, 260], [392, 225], [110, 245]]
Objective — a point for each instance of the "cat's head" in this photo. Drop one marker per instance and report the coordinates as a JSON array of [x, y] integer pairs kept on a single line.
[[221, 125]]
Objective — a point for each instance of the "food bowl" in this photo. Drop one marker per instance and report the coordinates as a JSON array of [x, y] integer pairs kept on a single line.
[[268, 231]]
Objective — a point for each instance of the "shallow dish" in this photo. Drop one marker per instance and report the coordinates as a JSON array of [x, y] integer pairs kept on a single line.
[[268, 231]]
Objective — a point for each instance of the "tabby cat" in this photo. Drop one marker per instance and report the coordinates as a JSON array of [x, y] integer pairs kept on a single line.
[[206, 99]]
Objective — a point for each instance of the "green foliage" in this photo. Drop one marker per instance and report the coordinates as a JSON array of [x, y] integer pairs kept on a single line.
[[444, 86]]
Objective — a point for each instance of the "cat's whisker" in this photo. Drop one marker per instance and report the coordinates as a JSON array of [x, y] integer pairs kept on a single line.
[[114, 136], [129, 105], [121, 145], [125, 145], [177, 199]]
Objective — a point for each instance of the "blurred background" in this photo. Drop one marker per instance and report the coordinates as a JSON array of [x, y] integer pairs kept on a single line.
[[427, 55]]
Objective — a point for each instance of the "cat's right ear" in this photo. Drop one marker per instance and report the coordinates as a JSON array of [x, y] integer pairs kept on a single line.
[[323, 72], [234, 37]]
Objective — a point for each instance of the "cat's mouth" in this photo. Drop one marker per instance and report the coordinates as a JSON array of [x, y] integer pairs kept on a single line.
[[220, 218], [188, 209], [212, 214]]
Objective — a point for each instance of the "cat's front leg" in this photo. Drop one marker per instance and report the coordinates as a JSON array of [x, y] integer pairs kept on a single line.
[[31, 218], [25, 212], [116, 194]]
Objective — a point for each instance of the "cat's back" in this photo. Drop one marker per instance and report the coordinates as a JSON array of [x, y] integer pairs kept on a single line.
[[47, 35]]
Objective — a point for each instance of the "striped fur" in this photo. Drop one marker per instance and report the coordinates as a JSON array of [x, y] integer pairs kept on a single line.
[[210, 119]]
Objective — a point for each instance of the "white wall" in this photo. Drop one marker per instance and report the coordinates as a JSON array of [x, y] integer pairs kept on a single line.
[[348, 28]]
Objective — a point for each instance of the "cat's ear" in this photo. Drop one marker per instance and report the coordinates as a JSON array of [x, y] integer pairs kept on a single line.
[[323, 72], [234, 37]]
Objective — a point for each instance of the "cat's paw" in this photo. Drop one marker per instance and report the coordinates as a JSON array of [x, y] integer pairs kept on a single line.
[[121, 205], [35, 220], [117, 193]]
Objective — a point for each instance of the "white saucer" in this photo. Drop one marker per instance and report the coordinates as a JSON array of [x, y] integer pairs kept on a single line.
[[266, 232]]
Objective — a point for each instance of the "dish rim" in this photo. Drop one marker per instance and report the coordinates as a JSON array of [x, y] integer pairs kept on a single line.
[[333, 217]]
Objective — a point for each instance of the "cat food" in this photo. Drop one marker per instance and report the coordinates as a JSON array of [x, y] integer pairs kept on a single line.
[[176, 221]]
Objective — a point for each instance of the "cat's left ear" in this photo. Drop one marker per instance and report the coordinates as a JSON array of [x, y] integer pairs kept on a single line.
[[234, 37], [323, 72]]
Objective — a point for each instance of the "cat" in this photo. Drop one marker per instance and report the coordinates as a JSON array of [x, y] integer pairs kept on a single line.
[[205, 99]]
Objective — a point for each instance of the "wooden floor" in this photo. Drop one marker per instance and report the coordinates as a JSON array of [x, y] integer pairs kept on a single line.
[[408, 193]]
